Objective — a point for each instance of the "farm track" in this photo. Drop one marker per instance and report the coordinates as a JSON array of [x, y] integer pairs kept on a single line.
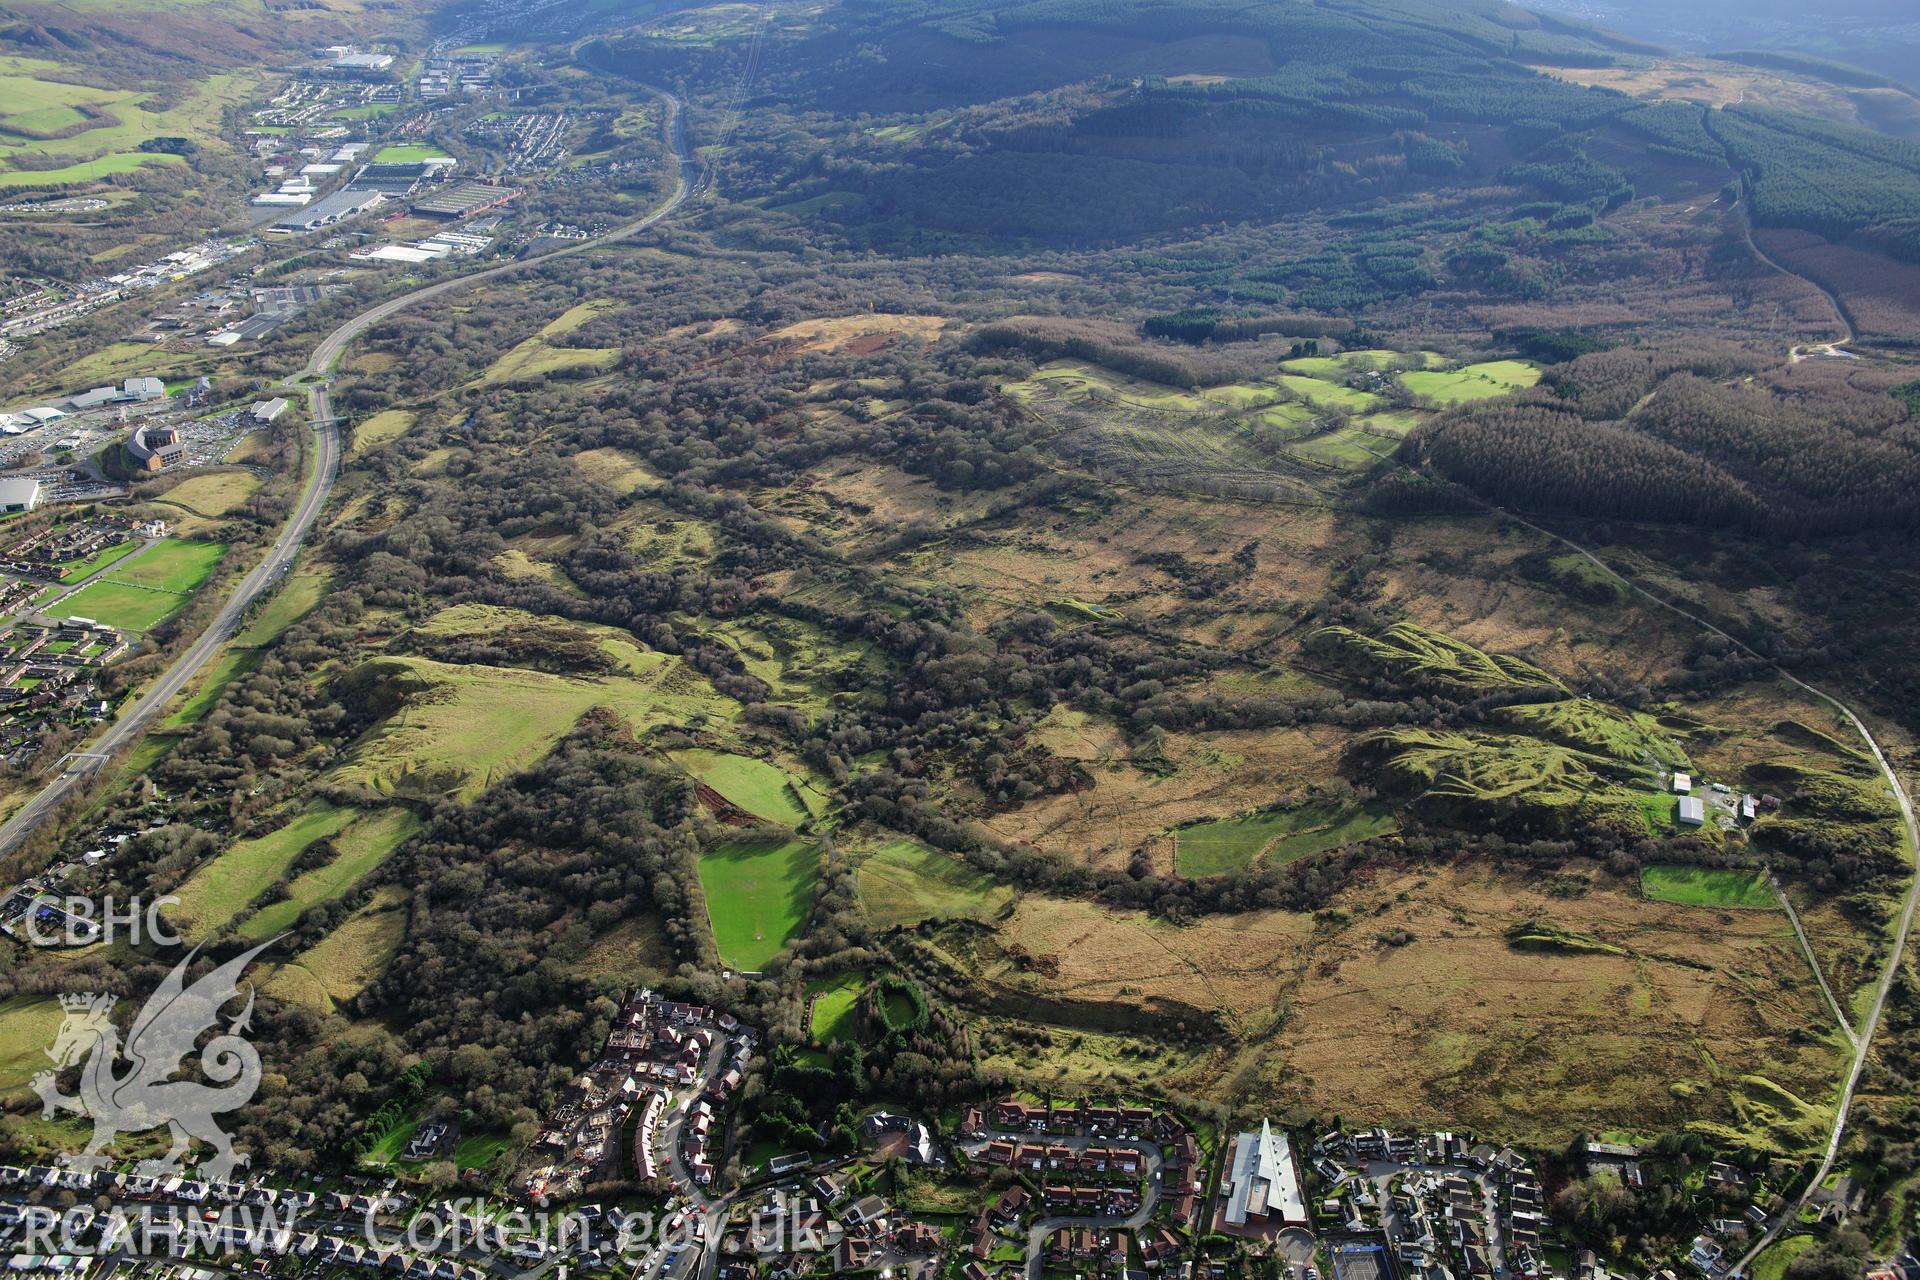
[[257, 584], [1813, 962], [1834, 300]]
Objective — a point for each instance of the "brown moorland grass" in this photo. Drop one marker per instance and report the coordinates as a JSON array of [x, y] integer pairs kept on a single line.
[[1216, 775], [632, 949], [839, 333], [615, 469], [1456, 576], [1236, 965], [1458, 1026]]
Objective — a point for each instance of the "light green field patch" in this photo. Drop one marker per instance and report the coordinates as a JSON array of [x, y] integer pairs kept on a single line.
[[535, 357], [1280, 836], [1393, 424], [1475, 382], [1349, 447], [1774, 1260], [1243, 395], [28, 1025], [1291, 417], [1708, 886], [87, 170], [515, 563], [213, 494], [299, 593], [388, 424], [1508, 373], [1331, 395], [904, 883], [119, 123], [218, 891], [462, 728], [575, 316], [362, 846], [1630, 736], [758, 895], [616, 469], [341, 965], [755, 786], [835, 1002], [220, 673]]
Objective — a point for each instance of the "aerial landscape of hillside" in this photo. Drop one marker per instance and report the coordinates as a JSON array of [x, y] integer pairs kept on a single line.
[[958, 638]]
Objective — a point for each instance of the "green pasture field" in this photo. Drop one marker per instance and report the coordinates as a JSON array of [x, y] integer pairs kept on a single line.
[[1708, 886], [28, 1025], [218, 891], [1393, 424], [462, 728], [1331, 395], [1349, 447], [758, 893], [1227, 845], [761, 789], [834, 1005], [1475, 382], [903, 883], [363, 846]]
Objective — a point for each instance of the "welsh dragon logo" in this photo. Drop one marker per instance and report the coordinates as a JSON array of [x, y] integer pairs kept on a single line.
[[131, 1088]]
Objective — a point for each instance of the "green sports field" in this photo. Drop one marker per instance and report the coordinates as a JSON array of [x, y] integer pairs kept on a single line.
[[149, 588], [407, 153], [759, 893], [174, 565]]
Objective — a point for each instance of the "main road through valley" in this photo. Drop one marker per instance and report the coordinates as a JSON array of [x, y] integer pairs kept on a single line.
[[138, 717]]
